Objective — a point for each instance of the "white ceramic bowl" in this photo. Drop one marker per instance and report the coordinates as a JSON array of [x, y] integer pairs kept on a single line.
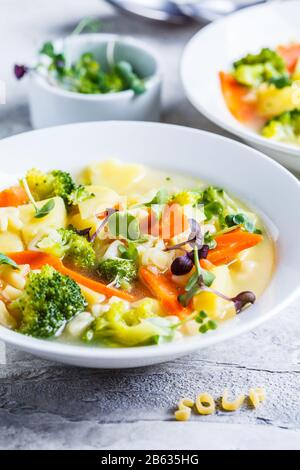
[[256, 179], [51, 105], [218, 45]]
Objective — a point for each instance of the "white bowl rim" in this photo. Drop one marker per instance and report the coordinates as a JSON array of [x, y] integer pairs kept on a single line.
[[150, 81], [163, 351], [237, 129]]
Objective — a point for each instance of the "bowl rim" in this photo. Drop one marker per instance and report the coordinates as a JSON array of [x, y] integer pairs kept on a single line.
[[63, 350], [150, 81], [236, 128]]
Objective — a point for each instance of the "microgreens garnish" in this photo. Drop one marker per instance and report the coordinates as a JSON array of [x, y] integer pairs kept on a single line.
[[184, 264], [205, 324], [195, 237], [8, 261], [201, 280], [234, 220], [20, 71], [40, 212], [45, 209], [240, 301]]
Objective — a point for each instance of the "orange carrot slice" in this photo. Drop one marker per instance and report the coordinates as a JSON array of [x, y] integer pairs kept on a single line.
[[165, 291], [13, 197], [230, 244], [290, 55], [37, 259], [235, 97]]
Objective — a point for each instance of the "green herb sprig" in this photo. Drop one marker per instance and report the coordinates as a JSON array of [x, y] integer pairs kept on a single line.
[[8, 261], [42, 211]]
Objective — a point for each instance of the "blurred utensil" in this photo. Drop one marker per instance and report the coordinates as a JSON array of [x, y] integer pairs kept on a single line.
[[161, 10], [180, 11]]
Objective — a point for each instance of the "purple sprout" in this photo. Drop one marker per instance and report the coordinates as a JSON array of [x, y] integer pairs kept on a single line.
[[20, 71]]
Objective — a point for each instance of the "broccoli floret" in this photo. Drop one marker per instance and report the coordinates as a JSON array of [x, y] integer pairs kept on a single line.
[[118, 270], [47, 185], [264, 56], [254, 69], [48, 301], [285, 127], [63, 184], [217, 202], [67, 244]]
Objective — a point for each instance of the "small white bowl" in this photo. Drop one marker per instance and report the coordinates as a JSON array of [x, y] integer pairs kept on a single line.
[[218, 45], [51, 105], [254, 178]]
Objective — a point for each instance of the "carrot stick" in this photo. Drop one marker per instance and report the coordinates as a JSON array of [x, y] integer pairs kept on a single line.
[[164, 290], [13, 197], [290, 55], [37, 259], [230, 244], [235, 97]]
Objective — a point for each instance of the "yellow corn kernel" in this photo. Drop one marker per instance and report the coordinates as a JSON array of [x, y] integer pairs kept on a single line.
[[257, 395], [232, 405], [205, 404], [183, 415]]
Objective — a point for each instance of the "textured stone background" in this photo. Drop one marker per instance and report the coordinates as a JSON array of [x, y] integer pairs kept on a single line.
[[48, 405]]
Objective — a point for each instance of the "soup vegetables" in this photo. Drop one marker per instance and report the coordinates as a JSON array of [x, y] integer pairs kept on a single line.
[[85, 261], [262, 90]]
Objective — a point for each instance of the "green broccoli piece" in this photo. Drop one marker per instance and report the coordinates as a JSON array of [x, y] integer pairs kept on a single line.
[[48, 301], [266, 66], [218, 203], [47, 185], [67, 244], [266, 55], [118, 270], [55, 183], [285, 127], [63, 184]]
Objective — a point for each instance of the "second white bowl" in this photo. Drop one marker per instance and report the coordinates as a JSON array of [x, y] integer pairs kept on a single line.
[[51, 105], [218, 45]]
